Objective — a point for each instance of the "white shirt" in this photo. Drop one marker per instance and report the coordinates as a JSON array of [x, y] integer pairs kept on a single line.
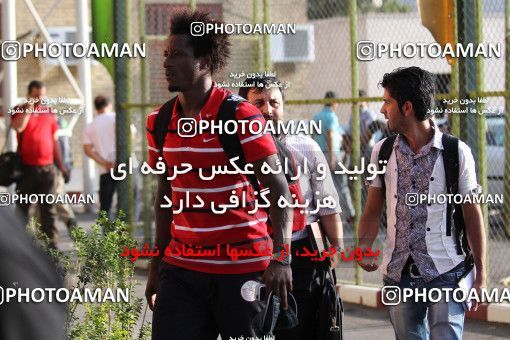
[[101, 134], [440, 247], [313, 187]]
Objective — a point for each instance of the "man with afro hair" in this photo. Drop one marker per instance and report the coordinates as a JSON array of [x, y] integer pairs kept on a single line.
[[195, 296]]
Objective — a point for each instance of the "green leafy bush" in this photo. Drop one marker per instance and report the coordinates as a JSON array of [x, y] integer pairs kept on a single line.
[[98, 264]]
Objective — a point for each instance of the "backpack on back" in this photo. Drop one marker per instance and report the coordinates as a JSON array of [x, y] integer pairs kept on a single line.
[[451, 165]]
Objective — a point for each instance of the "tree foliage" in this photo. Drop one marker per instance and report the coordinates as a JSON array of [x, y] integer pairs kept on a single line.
[[99, 264]]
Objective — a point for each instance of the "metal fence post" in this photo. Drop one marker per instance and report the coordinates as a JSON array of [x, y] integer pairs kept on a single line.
[[355, 128], [256, 50], [481, 124], [454, 119], [267, 57], [123, 118], [467, 69], [146, 193]]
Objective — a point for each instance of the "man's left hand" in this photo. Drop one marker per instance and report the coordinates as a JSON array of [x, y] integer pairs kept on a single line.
[[334, 261], [278, 278]]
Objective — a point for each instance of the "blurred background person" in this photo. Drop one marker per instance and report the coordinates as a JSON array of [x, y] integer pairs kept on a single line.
[[366, 117], [376, 131], [36, 128], [99, 144], [329, 142], [371, 131], [64, 211]]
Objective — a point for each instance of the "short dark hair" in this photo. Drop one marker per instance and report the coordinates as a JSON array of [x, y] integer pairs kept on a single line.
[[100, 102], [35, 84], [411, 84], [258, 84], [329, 95], [362, 93], [216, 46]]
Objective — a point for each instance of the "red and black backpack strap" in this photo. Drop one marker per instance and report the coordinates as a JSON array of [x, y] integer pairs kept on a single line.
[[230, 141]]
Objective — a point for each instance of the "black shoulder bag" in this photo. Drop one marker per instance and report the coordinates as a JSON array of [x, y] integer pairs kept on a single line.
[[331, 310]]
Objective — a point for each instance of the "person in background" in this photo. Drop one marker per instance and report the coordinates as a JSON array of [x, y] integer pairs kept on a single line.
[[99, 144], [36, 128], [330, 143], [369, 128], [65, 211], [366, 117]]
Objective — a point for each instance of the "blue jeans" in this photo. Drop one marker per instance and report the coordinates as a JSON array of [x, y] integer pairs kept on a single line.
[[426, 320]]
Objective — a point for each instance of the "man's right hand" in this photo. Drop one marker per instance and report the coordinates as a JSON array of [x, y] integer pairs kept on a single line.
[[152, 284], [278, 278], [108, 165]]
